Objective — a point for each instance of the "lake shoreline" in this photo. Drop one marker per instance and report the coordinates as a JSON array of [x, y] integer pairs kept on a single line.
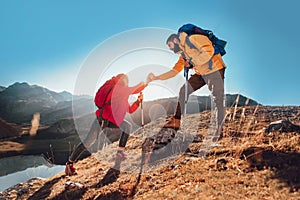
[[21, 168]]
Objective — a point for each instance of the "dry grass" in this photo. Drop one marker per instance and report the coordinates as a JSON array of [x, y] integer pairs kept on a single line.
[[249, 164]]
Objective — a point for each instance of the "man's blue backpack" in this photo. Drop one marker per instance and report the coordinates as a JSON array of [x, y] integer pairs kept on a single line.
[[191, 29]]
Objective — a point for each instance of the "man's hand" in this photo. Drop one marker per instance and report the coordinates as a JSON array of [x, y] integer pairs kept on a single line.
[[187, 64]]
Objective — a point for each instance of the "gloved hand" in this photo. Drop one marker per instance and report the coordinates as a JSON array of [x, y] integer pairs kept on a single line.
[[188, 64], [140, 97]]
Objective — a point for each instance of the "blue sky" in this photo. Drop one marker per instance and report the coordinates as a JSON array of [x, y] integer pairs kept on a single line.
[[45, 42]]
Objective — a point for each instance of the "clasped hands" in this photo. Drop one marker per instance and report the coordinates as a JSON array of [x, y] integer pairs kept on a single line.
[[151, 77]]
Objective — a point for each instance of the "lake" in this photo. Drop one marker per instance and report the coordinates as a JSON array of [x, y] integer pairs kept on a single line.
[[14, 170]]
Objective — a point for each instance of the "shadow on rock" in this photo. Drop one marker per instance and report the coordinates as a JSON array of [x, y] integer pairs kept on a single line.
[[111, 176], [44, 191], [286, 165], [74, 193], [167, 143], [113, 195]]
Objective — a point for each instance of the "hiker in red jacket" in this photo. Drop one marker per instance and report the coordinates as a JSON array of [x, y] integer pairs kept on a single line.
[[110, 120]]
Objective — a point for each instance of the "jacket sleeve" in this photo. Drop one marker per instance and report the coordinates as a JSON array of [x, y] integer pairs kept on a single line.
[[133, 107], [178, 67], [179, 64], [204, 47], [137, 89]]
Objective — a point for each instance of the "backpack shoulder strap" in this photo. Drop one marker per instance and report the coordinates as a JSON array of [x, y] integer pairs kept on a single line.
[[105, 102], [189, 43]]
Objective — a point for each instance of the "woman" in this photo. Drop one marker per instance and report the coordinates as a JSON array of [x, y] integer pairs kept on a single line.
[[110, 119]]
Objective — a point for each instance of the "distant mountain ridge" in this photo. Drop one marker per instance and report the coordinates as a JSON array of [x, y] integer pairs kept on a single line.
[[20, 101], [25, 91]]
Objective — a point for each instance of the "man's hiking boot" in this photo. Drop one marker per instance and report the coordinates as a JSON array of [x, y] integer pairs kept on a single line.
[[70, 170], [173, 123]]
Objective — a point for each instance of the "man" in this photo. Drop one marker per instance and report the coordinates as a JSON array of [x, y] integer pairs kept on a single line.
[[196, 52], [110, 120]]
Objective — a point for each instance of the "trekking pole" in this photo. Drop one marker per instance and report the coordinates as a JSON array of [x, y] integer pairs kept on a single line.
[[142, 114], [186, 75]]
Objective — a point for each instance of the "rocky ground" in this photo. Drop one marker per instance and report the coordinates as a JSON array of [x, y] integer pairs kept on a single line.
[[252, 161]]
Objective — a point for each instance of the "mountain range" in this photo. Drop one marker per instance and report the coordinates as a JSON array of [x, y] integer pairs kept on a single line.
[[20, 101]]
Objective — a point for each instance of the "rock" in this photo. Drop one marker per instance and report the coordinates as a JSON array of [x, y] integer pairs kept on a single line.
[[73, 185], [221, 164], [282, 126], [166, 143]]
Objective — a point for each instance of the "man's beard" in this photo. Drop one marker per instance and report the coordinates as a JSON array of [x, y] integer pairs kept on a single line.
[[176, 48]]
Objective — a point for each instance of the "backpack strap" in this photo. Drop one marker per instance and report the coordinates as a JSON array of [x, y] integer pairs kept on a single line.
[[105, 102], [192, 46], [189, 43]]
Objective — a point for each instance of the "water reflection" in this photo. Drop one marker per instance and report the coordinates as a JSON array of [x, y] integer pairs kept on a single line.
[[22, 168]]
